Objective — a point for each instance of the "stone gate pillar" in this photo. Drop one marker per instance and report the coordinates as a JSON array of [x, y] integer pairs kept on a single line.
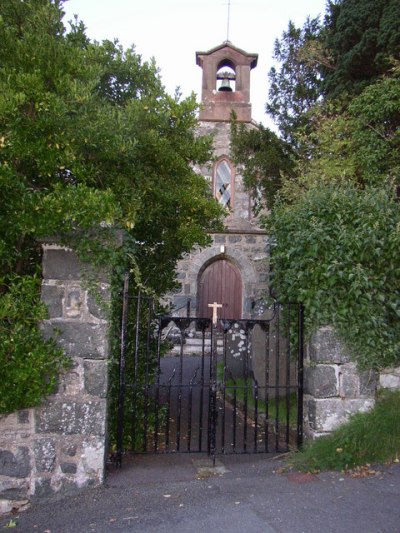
[[60, 446], [334, 388]]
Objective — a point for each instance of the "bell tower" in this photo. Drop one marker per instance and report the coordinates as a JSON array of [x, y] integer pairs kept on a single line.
[[226, 83], [231, 270]]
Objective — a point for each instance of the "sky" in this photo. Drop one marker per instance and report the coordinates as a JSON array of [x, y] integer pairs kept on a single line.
[[172, 31]]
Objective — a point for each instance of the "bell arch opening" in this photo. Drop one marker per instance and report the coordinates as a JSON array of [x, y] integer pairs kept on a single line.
[[226, 77]]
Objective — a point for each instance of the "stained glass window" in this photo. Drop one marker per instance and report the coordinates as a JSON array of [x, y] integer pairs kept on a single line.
[[223, 187]]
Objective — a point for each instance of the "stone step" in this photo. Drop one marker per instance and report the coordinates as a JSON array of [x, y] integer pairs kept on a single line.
[[193, 346], [192, 341]]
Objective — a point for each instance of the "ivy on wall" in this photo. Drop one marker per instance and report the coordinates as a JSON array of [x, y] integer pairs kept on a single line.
[[337, 252]]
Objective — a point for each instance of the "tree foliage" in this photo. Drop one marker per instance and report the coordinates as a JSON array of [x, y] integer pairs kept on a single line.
[[336, 219], [295, 87], [90, 142], [361, 38], [337, 252], [264, 158]]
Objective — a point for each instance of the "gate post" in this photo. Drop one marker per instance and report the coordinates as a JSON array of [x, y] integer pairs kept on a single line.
[[334, 387], [60, 446]]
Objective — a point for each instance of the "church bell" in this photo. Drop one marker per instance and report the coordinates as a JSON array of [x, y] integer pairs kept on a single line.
[[225, 85]]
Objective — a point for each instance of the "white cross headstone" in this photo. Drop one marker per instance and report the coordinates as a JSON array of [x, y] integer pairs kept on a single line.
[[215, 308]]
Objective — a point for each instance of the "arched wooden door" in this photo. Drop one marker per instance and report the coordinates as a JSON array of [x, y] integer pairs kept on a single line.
[[221, 282]]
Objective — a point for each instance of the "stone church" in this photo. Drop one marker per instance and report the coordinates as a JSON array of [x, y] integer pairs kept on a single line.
[[232, 270]]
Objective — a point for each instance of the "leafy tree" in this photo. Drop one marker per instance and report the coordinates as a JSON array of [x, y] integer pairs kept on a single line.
[[295, 86], [264, 157], [355, 46], [337, 252], [336, 215], [89, 142], [361, 38]]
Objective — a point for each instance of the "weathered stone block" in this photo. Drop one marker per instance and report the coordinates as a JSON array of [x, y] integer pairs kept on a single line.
[[328, 414], [349, 381], [68, 468], [70, 418], [52, 296], [220, 239], [15, 464], [13, 505], [70, 450], [87, 340], [368, 383], [45, 454], [321, 381], [23, 417], [235, 238], [13, 425], [389, 381], [251, 239], [95, 376], [180, 302], [10, 485], [74, 302], [59, 263], [326, 347], [92, 459], [72, 383], [98, 305], [43, 488]]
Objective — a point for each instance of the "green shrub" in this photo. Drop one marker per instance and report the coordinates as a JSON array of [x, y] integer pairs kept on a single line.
[[337, 252], [372, 437], [30, 365]]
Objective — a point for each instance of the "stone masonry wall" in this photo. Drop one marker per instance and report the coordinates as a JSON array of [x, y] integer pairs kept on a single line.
[[333, 386], [390, 378], [241, 217], [60, 446], [242, 242]]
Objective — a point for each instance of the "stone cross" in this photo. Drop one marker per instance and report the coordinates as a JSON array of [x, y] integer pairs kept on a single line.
[[215, 307]]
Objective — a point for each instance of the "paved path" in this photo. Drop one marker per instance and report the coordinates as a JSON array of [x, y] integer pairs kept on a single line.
[[165, 494]]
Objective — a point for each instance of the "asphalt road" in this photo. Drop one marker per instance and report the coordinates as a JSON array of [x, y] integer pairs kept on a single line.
[[180, 493]]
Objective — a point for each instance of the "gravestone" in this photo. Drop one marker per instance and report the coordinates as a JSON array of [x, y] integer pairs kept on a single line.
[[238, 359]]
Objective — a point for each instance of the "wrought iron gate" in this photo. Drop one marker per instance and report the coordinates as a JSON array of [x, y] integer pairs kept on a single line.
[[187, 385]]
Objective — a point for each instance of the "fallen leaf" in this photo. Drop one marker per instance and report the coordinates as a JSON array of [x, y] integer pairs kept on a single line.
[[12, 523]]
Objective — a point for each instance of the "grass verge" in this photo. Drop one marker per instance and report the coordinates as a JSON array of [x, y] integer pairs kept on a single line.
[[372, 437], [277, 407]]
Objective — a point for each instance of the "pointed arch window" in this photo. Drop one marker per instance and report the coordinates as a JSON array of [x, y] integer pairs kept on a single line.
[[223, 183]]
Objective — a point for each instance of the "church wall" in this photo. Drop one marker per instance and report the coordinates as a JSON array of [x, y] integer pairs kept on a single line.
[[249, 252], [59, 447], [242, 242], [241, 217]]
